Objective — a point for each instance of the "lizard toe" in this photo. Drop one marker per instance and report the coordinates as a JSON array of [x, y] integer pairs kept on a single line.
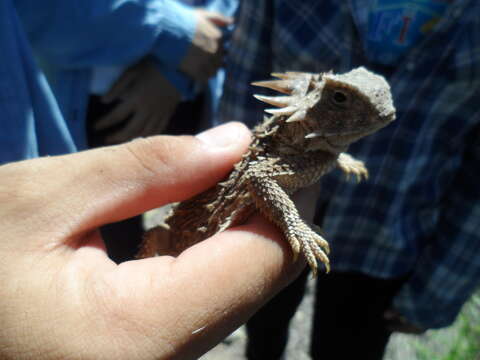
[[319, 239]]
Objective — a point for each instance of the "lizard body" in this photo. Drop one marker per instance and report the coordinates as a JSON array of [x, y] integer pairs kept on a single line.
[[306, 136]]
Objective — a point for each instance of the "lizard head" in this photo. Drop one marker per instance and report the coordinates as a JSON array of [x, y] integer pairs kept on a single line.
[[328, 111]]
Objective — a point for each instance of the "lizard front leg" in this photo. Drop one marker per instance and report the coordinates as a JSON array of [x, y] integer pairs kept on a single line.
[[349, 165], [276, 205]]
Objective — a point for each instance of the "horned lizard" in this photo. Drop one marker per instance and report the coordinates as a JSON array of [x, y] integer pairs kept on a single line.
[[306, 137]]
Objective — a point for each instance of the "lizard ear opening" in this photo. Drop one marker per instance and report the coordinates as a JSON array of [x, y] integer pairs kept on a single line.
[[297, 116]]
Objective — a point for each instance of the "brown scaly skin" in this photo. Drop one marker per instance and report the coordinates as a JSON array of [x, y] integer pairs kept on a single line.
[[306, 137]]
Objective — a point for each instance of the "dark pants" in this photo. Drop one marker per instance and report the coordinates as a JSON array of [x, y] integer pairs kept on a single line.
[[268, 329], [348, 316], [123, 238], [348, 319]]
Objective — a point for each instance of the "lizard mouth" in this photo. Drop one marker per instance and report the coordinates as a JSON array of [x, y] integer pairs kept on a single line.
[[338, 142], [332, 136], [342, 138], [354, 133], [346, 139], [327, 143]]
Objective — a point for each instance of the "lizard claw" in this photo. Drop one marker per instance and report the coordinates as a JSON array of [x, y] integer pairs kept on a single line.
[[313, 246], [352, 166], [320, 238]]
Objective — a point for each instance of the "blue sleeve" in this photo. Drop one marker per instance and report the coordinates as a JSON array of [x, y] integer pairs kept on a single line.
[[31, 124], [86, 33]]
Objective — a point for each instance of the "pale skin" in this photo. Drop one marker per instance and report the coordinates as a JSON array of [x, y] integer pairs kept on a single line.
[[60, 295]]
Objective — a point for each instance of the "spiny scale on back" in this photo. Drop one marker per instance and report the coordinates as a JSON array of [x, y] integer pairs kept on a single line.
[[311, 126]]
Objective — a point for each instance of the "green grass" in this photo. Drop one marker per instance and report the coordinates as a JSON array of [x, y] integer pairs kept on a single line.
[[463, 338]]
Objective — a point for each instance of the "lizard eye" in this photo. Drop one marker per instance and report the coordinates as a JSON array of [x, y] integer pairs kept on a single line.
[[339, 97]]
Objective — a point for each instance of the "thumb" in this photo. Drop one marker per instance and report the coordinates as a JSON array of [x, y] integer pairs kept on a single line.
[[85, 190]]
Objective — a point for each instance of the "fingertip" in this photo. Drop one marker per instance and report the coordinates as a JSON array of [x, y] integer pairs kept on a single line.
[[221, 20], [226, 135]]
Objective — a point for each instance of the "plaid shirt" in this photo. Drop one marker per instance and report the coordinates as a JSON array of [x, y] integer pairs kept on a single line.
[[419, 213]]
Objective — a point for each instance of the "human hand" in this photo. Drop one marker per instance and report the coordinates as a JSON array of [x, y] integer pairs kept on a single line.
[[147, 101], [396, 322], [62, 298], [206, 52]]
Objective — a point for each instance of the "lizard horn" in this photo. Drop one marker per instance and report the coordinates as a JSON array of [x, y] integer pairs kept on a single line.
[[283, 86], [291, 75], [280, 101], [313, 135], [297, 116], [283, 76], [283, 111]]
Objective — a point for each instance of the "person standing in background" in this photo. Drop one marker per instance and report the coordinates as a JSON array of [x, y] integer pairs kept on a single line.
[[405, 244], [84, 48]]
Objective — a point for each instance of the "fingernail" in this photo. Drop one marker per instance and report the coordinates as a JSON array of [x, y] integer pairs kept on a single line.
[[223, 136]]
